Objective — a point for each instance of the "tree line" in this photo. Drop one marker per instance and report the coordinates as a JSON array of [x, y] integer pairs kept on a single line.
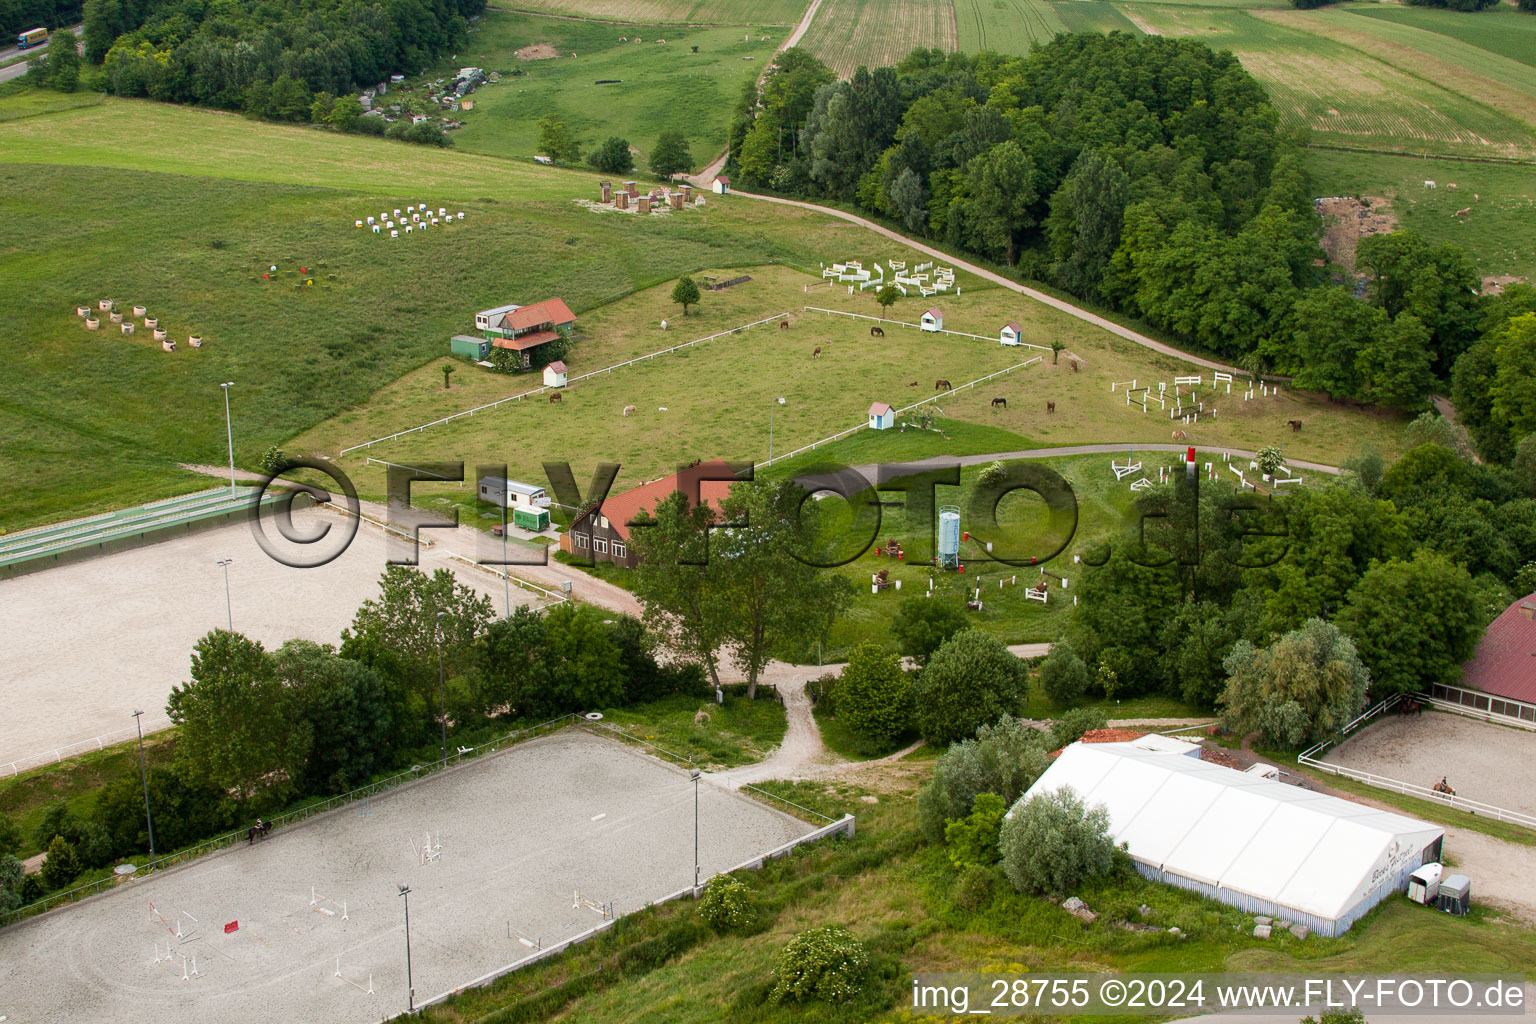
[[17, 16], [279, 61], [261, 729], [1151, 176]]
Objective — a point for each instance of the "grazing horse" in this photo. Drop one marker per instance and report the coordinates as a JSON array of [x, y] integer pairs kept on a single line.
[[816, 354], [999, 402], [783, 325], [877, 332], [942, 385], [1050, 406], [912, 385], [554, 396], [257, 831], [1295, 425], [1179, 435], [1074, 366], [629, 410]]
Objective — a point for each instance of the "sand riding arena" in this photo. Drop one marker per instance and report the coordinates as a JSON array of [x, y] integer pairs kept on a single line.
[[303, 924]]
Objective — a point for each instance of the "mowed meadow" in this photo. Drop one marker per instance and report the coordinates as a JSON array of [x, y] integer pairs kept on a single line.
[[605, 80], [673, 12], [93, 420]]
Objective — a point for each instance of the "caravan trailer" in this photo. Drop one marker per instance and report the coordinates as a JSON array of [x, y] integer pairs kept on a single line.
[[512, 494]]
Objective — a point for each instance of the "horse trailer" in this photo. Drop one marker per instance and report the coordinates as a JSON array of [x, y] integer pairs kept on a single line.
[[1456, 895], [1424, 884]]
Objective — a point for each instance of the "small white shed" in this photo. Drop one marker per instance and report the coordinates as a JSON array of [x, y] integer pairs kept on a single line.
[[1009, 335], [554, 374], [721, 185], [881, 416], [932, 319]]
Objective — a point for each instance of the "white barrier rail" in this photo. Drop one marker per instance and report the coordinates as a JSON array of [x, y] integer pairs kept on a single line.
[[1311, 757], [571, 380], [59, 753], [898, 412]]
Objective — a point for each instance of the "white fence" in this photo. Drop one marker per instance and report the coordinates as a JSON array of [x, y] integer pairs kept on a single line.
[[1312, 758], [902, 323], [59, 753], [909, 408], [570, 380]]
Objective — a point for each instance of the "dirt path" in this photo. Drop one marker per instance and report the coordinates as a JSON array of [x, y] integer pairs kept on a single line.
[[707, 175], [1038, 296]]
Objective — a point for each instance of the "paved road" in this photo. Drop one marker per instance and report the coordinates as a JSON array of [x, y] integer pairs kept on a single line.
[[981, 272], [707, 175], [20, 68]]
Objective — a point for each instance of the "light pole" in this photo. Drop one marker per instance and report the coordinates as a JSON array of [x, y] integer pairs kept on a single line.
[[410, 989], [144, 778], [780, 401], [229, 431], [228, 609], [506, 574], [694, 775], [442, 688]]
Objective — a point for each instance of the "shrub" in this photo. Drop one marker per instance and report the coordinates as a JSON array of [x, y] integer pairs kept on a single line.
[[823, 963], [273, 460], [972, 840], [1004, 758], [728, 904], [969, 682], [823, 692], [10, 835], [1063, 676], [1054, 843], [61, 865], [973, 888], [874, 699], [612, 156], [11, 876], [1071, 726]]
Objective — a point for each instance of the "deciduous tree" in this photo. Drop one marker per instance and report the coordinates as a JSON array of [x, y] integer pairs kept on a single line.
[[969, 682], [1054, 843], [1301, 689]]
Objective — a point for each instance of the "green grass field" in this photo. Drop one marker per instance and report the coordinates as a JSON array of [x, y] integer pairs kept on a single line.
[[848, 33], [655, 88], [1500, 232], [1345, 96], [1500, 29], [669, 12], [1006, 26], [1093, 16]]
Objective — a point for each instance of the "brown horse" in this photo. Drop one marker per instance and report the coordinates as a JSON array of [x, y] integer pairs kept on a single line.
[[783, 325], [1443, 787], [816, 354], [260, 830], [1074, 366], [1295, 425], [554, 396], [942, 385], [1050, 406], [877, 332], [999, 402]]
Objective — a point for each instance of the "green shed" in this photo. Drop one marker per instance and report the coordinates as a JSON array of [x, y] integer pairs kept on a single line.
[[474, 348], [530, 518]]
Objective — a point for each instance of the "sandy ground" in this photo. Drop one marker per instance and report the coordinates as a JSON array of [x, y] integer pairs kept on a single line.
[[1346, 220], [86, 643], [1491, 763], [518, 832]]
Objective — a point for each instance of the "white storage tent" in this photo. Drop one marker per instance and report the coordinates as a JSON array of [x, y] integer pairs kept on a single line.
[[1245, 840]]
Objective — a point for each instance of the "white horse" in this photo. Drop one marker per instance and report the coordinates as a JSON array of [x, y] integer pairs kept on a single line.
[[1429, 184]]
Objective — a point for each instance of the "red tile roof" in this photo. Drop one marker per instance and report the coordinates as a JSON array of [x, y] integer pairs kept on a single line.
[[1106, 736], [550, 311], [526, 341], [621, 508], [557, 366], [1013, 325], [879, 409], [1505, 662], [933, 311]]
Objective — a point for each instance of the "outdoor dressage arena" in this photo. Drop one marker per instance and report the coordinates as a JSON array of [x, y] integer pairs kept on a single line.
[[1495, 764], [518, 831], [89, 641]]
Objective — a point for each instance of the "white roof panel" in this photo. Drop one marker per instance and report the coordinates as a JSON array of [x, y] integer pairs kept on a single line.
[[1301, 849]]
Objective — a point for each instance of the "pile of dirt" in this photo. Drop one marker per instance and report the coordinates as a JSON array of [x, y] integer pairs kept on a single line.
[[537, 51], [1346, 219], [1496, 284]]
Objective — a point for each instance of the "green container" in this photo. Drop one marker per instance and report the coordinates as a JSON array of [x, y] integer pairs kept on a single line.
[[531, 518], [473, 348]]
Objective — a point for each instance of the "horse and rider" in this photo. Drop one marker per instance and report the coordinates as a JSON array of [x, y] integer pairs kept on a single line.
[[257, 831]]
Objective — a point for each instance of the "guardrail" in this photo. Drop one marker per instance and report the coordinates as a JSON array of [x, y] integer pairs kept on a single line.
[[1311, 757], [570, 380]]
